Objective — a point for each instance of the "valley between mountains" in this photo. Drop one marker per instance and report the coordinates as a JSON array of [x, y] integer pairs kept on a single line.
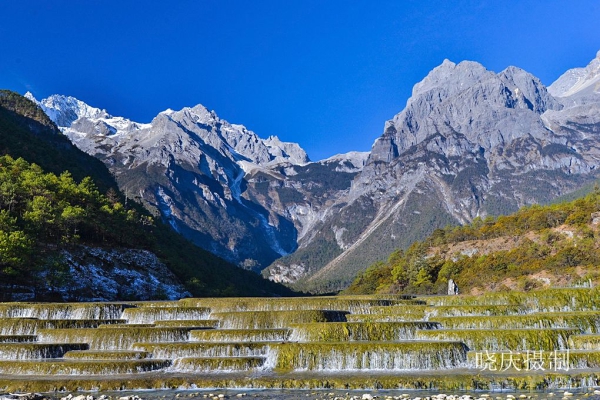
[[469, 143]]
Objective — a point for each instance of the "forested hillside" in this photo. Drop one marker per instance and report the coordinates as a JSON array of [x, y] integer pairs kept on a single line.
[[537, 246]]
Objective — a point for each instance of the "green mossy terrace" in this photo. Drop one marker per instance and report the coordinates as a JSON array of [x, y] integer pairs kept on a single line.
[[435, 342], [538, 246]]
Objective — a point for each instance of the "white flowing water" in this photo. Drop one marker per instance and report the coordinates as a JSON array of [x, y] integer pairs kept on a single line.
[[298, 342]]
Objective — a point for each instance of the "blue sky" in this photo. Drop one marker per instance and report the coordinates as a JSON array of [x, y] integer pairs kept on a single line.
[[326, 74]]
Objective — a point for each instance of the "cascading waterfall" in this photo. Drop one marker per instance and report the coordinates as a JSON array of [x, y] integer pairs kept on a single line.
[[201, 349], [30, 326], [240, 335], [476, 310], [106, 355], [352, 304], [63, 311], [20, 326], [218, 364], [372, 356], [504, 339], [535, 360], [149, 315], [586, 321], [97, 367], [18, 338], [275, 319], [358, 331], [113, 339], [340, 341], [192, 324], [34, 351], [584, 342]]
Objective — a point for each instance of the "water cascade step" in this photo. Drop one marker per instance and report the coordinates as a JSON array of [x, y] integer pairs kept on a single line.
[[549, 300], [504, 339], [191, 323], [556, 360], [275, 319], [358, 331], [238, 335], [33, 351], [89, 311], [372, 356], [477, 310], [220, 364], [585, 321], [113, 339], [352, 304], [30, 326], [585, 342], [18, 338], [106, 355], [149, 315], [400, 312], [74, 367], [204, 349]]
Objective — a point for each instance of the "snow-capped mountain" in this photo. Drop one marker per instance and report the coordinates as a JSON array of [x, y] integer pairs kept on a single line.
[[190, 166]]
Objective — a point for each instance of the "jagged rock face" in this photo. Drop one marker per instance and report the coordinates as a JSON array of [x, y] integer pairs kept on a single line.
[[470, 143], [486, 108], [107, 275]]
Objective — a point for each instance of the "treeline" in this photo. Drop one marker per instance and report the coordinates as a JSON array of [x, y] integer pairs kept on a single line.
[[423, 268], [533, 218]]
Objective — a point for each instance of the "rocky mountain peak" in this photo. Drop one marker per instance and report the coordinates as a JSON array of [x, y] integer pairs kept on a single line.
[[454, 98], [199, 114], [450, 75], [190, 166]]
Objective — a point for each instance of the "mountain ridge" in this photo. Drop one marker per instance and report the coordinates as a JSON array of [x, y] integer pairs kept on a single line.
[[470, 142], [196, 145]]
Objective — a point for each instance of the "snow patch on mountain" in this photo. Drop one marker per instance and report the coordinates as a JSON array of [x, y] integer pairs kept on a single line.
[[76, 118]]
